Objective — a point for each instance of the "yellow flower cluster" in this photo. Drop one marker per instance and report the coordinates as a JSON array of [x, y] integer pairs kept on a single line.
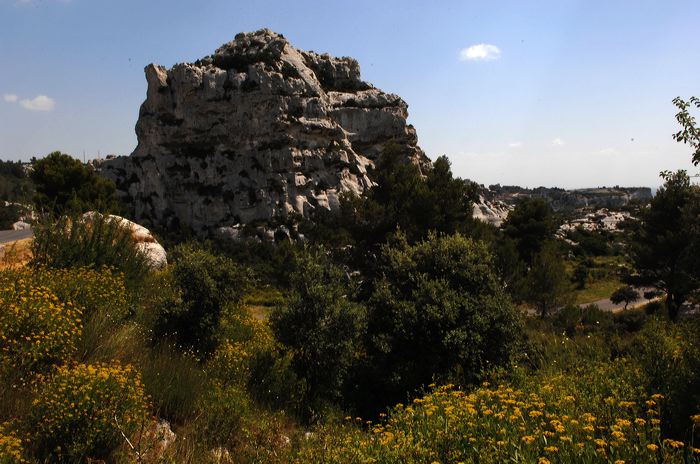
[[10, 446], [36, 328], [232, 358], [83, 408], [89, 289], [503, 424]]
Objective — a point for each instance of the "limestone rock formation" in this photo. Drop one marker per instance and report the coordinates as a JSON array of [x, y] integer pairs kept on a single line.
[[256, 131]]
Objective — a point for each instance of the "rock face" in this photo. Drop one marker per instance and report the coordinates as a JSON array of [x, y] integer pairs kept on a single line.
[[564, 200], [256, 131], [492, 212]]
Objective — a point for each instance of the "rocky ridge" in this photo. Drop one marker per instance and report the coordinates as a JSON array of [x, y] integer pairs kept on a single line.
[[256, 131]]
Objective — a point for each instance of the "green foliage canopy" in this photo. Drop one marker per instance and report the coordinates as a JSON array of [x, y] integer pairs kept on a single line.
[[438, 310], [667, 248], [65, 185]]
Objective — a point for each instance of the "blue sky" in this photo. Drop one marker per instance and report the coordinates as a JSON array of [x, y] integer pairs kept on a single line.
[[578, 93]]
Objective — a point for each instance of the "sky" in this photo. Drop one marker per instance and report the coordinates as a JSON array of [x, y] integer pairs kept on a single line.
[[532, 93]]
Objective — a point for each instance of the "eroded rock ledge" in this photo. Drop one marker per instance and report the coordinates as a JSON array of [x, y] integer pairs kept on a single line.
[[255, 131]]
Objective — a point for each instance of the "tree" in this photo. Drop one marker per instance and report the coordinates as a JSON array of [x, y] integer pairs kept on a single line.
[[407, 199], [440, 311], [321, 325], [580, 276], [690, 133], [666, 248], [626, 293], [546, 283], [65, 185], [530, 225]]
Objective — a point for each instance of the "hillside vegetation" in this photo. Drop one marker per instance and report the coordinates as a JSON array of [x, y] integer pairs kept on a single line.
[[400, 331]]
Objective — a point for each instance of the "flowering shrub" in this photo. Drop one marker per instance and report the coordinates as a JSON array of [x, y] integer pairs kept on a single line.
[[82, 410], [36, 328], [10, 447], [89, 289], [503, 424]]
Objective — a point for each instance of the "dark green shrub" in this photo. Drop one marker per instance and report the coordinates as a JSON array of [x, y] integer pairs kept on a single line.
[[631, 320], [574, 319], [438, 310], [321, 325], [206, 284], [96, 242], [669, 355], [65, 185]]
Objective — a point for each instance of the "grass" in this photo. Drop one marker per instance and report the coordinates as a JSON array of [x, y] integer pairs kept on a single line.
[[261, 301], [15, 254], [598, 290]]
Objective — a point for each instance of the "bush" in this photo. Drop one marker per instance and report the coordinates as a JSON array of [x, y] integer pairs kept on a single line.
[[11, 450], [573, 319], [36, 328], [95, 243], [321, 325], [81, 411], [91, 290], [669, 356], [438, 310], [64, 184], [541, 423], [206, 284]]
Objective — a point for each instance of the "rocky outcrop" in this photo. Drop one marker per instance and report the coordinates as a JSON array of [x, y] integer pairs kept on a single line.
[[492, 212], [256, 131], [563, 200]]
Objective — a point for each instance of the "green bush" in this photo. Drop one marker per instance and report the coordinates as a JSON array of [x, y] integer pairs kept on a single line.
[[321, 325], [438, 310], [206, 285], [65, 185], [81, 411], [573, 319], [96, 242], [669, 356]]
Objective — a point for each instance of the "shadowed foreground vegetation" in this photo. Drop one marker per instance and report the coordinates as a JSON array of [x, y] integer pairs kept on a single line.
[[400, 331]]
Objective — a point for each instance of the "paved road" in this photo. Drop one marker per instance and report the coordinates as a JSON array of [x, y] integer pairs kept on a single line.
[[14, 235], [607, 305]]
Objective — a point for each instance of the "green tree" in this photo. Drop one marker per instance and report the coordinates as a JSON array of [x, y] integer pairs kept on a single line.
[[407, 199], [65, 185], [626, 294], [690, 133], [530, 225], [546, 283], [667, 247], [321, 325], [438, 310], [580, 276]]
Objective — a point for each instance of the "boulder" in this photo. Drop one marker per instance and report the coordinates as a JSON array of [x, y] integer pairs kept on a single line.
[[144, 239]]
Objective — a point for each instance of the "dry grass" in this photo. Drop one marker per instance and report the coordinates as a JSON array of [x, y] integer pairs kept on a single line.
[[15, 254]]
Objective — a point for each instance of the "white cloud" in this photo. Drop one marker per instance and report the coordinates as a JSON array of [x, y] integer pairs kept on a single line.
[[10, 97], [515, 145], [38, 103], [608, 151], [557, 142], [480, 52]]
